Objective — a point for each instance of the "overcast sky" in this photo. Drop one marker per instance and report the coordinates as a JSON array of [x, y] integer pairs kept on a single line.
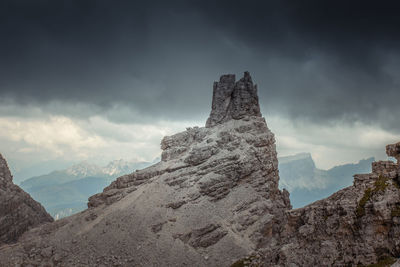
[[102, 80]]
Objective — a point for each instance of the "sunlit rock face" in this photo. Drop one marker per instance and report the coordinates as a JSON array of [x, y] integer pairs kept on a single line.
[[18, 211]]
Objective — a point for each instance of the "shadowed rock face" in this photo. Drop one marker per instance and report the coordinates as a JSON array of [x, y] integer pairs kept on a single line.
[[233, 100], [5, 174], [18, 211]]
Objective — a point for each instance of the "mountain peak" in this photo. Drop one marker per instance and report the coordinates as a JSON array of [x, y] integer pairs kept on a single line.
[[5, 174], [213, 200], [83, 169], [233, 100]]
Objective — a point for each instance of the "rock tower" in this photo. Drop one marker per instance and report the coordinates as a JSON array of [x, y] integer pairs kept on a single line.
[[233, 100], [213, 200]]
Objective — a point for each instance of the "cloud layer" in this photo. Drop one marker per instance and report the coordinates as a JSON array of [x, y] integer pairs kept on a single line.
[[29, 141], [86, 78], [318, 60]]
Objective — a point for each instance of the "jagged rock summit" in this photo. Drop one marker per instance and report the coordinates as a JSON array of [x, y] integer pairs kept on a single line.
[[233, 100], [213, 200], [18, 211]]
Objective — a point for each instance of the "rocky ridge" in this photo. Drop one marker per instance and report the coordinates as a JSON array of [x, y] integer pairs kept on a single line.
[[356, 226], [18, 211], [213, 200]]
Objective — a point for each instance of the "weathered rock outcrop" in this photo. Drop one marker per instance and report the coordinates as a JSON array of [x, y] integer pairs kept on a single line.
[[393, 150], [213, 200], [18, 211], [357, 226], [233, 100]]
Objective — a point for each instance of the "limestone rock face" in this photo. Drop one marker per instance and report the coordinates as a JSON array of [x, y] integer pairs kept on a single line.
[[18, 211], [358, 225], [233, 100], [212, 199]]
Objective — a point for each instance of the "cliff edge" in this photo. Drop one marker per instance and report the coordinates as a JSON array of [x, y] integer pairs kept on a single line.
[[18, 211]]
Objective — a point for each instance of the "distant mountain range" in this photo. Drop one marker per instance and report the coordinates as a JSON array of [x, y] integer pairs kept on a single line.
[[64, 192], [306, 183], [21, 174]]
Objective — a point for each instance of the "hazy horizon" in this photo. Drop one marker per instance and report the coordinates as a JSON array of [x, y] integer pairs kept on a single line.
[[98, 81]]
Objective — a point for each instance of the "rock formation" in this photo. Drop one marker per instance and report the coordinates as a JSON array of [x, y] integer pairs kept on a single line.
[[233, 100], [356, 226], [393, 151], [213, 200], [18, 211]]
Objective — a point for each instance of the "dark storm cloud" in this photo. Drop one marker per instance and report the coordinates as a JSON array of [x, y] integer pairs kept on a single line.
[[319, 60]]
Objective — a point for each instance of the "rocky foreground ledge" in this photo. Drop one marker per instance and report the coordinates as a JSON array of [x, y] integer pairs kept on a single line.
[[357, 226], [213, 200]]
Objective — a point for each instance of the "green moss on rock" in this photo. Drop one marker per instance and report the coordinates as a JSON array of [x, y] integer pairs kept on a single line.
[[360, 211], [252, 260], [395, 212], [384, 262], [239, 263], [379, 186]]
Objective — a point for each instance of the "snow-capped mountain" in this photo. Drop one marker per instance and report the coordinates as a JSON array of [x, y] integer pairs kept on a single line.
[[84, 169], [120, 166]]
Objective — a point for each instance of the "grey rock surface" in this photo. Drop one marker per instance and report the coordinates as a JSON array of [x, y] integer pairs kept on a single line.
[[213, 200], [18, 211], [393, 150], [356, 226], [233, 100]]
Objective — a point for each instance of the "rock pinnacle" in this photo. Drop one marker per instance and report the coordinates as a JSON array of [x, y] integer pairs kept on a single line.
[[233, 100]]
